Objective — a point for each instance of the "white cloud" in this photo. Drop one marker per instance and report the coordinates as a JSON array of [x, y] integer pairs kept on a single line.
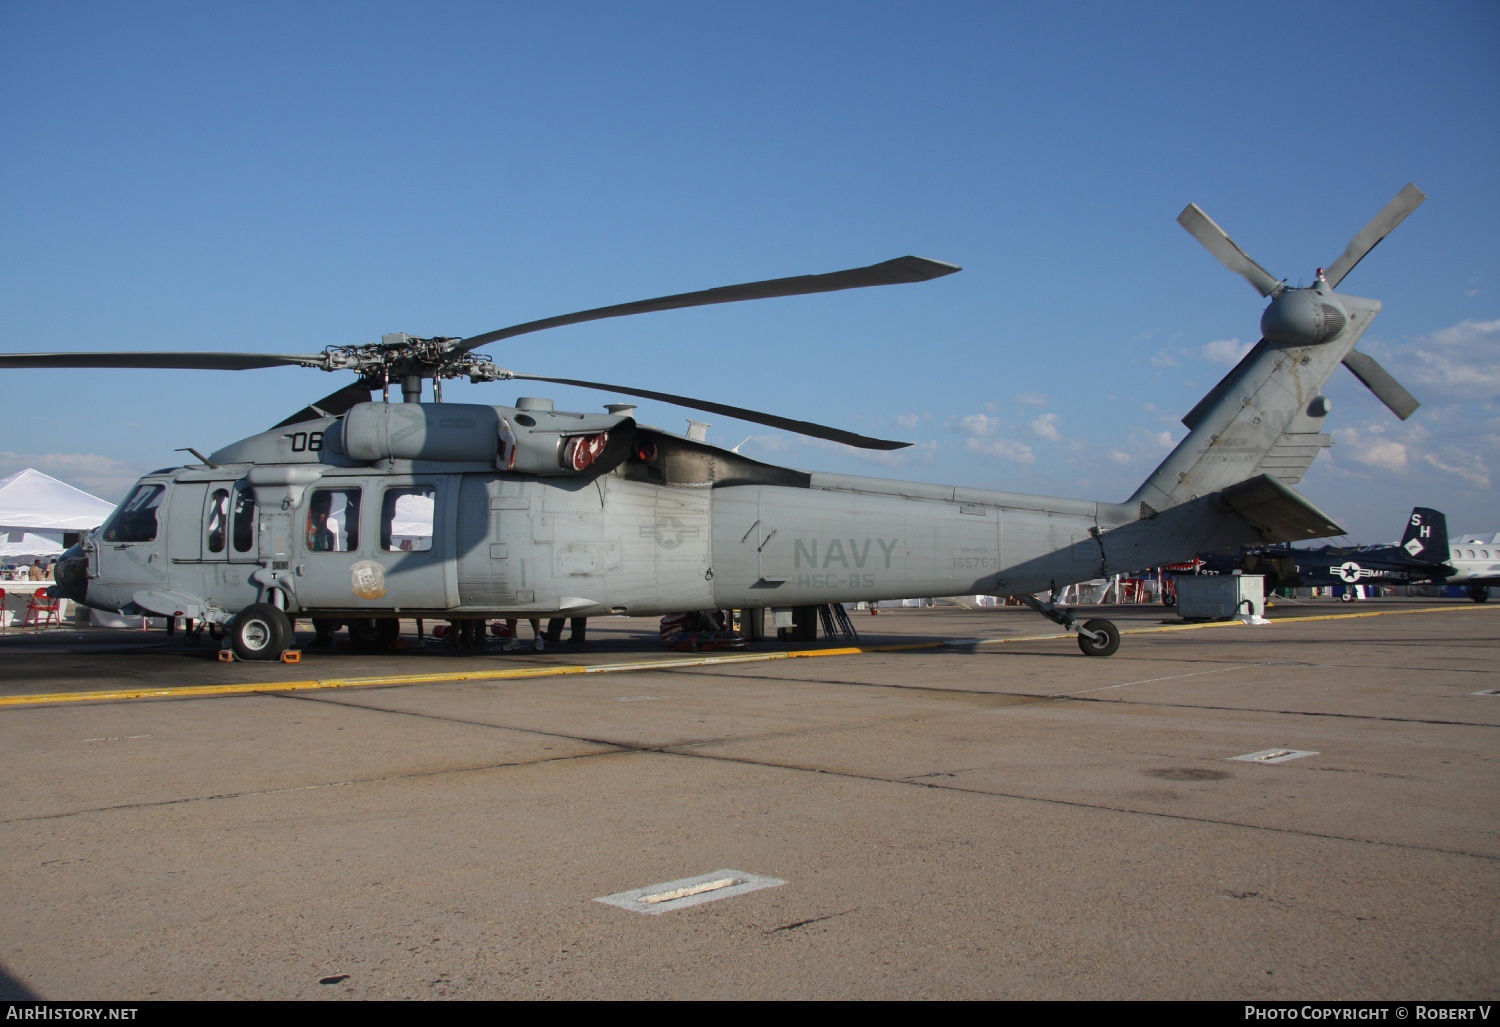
[[1225, 351], [1456, 363], [1031, 399], [1386, 454], [1467, 466], [1165, 358], [1121, 457], [1370, 446], [1045, 426], [976, 425], [908, 421], [1005, 449]]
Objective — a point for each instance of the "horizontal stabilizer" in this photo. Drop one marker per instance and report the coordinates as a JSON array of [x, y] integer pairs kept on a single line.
[[1277, 511]]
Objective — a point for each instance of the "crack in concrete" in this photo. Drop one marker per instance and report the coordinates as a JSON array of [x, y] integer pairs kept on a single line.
[[680, 749], [937, 786], [1036, 697]]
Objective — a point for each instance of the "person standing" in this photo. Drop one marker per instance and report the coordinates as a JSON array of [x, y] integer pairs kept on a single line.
[[538, 640]]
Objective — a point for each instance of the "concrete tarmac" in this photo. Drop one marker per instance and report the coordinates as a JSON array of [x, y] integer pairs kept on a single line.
[[1000, 820]]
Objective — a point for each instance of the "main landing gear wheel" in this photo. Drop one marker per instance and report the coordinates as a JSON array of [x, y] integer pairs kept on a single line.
[[260, 632], [1099, 638], [374, 633], [1479, 594]]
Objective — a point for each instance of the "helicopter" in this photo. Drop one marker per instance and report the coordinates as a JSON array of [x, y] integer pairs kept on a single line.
[[365, 511]]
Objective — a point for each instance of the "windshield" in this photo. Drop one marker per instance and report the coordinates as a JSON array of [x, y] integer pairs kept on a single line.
[[135, 520]]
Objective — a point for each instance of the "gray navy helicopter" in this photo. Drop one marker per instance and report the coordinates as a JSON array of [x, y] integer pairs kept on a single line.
[[366, 511]]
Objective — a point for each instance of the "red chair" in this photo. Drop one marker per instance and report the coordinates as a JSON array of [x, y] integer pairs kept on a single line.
[[40, 611]]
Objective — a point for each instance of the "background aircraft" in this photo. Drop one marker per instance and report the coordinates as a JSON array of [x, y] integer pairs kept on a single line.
[[1424, 555]]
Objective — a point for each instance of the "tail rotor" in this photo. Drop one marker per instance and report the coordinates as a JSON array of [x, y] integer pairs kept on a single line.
[[1314, 315]]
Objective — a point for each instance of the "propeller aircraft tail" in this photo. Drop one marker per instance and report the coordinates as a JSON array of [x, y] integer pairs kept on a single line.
[[1426, 537]]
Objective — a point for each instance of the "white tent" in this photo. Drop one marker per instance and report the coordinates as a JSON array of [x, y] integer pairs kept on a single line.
[[35, 502], [24, 543]]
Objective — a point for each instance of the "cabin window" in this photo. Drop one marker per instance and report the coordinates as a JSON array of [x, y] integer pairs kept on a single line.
[[217, 524], [244, 522], [406, 519], [135, 520], [333, 521]]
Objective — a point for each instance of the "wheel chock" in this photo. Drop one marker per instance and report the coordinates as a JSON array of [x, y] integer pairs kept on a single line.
[[292, 656], [226, 655]]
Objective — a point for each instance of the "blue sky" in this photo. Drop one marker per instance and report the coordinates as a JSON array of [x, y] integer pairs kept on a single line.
[[281, 177]]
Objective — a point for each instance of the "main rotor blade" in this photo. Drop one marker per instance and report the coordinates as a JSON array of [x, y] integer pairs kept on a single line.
[[331, 405], [190, 361], [1406, 201], [890, 272], [817, 431], [1214, 239], [1379, 381]]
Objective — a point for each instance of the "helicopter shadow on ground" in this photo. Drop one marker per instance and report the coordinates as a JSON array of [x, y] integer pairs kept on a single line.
[[13, 990]]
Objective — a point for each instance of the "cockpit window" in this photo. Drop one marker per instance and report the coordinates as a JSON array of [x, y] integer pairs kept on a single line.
[[135, 520], [333, 521], [244, 522], [406, 519]]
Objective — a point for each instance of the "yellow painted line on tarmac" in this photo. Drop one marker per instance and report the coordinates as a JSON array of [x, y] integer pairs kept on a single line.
[[516, 673], [1161, 629], [377, 681]]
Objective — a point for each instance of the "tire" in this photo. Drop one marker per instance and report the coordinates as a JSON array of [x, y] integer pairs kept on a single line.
[[374, 633], [1479, 594], [1347, 597], [1093, 648], [260, 632]]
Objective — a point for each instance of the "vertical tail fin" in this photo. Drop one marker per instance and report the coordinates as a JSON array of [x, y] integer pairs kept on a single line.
[[1426, 537], [1266, 416]]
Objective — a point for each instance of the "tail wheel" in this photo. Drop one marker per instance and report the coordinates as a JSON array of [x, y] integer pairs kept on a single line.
[[260, 632], [1105, 640]]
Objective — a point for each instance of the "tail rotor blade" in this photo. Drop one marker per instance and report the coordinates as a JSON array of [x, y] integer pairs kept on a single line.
[[1214, 239], [1406, 201], [1379, 381]]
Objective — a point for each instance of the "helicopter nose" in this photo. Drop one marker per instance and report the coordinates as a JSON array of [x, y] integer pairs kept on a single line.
[[72, 576]]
